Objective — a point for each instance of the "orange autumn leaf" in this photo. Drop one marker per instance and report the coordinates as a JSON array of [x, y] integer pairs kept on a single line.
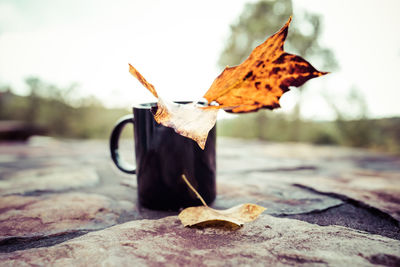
[[260, 80], [142, 80]]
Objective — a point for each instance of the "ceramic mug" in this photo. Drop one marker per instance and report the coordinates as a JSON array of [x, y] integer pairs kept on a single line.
[[162, 156]]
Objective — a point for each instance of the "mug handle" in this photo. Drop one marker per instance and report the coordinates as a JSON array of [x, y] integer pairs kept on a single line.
[[121, 164]]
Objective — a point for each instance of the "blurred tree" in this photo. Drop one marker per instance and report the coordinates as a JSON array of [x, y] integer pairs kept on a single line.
[[34, 85], [53, 108], [262, 19], [355, 130]]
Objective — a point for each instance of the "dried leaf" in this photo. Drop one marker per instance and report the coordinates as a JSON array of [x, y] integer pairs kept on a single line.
[[189, 120], [205, 216], [260, 80], [232, 218], [142, 80]]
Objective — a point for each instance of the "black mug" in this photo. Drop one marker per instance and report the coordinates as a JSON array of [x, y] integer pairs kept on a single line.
[[162, 156]]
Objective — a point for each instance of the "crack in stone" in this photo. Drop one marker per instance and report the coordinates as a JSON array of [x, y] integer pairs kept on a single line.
[[46, 192], [282, 169], [352, 214], [22, 243], [314, 211], [354, 202], [296, 259], [383, 259]]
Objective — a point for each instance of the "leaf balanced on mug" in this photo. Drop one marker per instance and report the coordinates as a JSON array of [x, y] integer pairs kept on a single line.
[[258, 82], [189, 120]]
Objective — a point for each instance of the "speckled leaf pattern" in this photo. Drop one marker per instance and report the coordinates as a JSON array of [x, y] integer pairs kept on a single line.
[[260, 80]]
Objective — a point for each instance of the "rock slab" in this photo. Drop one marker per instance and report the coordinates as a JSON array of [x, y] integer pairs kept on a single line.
[[266, 241], [380, 190], [48, 179], [24, 216]]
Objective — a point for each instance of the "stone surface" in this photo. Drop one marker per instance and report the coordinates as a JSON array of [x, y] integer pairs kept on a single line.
[[62, 202], [354, 217], [272, 191], [267, 241], [48, 179], [380, 190], [22, 216]]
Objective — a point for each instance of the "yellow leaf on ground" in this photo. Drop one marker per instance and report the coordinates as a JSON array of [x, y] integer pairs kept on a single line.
[[204, 216], [235, 217]]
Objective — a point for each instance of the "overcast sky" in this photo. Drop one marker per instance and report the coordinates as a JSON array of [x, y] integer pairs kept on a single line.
[[175, 45]]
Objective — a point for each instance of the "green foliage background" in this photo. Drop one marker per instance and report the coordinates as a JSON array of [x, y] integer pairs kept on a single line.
[[49, 108], [55, 109], [377, 134], [261, 19]]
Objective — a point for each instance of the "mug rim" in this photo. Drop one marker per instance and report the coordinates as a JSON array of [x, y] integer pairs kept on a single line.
[[151, 104]]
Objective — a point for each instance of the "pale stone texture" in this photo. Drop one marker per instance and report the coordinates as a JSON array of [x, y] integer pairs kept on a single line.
[[269, 191], [23, 216], [266, 241], [380, 190], [63, 203], [48, 179]]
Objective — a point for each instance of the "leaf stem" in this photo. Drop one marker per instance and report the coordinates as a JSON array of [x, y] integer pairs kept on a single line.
[[194, 190]]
